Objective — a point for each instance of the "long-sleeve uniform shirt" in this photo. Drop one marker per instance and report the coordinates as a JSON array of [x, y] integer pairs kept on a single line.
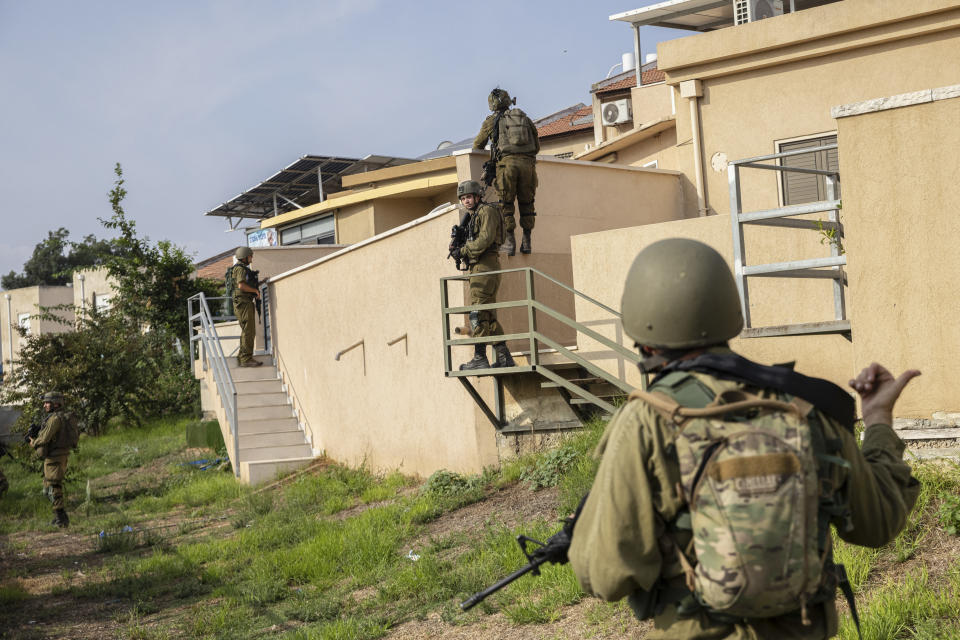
[[617, 547], [49, 443], [486, 133]]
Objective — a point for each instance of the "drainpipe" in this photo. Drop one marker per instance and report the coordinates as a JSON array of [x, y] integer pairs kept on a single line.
[[83, 297], [9, 332], [693, 90]]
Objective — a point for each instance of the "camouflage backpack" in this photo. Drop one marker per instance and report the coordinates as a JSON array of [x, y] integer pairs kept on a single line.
[[749, 475], [70, 431], [515, 133]]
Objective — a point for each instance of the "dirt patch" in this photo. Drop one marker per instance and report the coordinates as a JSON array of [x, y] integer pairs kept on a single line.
[[576, 621], [508, 507]]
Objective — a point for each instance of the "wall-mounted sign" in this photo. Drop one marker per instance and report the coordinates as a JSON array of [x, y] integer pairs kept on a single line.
[[262, 238]]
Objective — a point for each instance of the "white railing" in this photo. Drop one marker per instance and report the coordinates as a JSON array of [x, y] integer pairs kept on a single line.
[[204, 332]]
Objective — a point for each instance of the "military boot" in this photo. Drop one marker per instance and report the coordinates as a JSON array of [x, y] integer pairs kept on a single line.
[[525, 242], [61, 520], [479, 359], [504, 359], [509, 244]]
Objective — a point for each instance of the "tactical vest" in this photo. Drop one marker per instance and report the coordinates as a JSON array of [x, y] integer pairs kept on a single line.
[[755, 474], [515, 133]]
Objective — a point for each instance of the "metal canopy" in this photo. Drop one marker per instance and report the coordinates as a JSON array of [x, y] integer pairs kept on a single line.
[[298, 185], [691, 15]]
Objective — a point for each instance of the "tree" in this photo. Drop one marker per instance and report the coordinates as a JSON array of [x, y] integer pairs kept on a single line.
[[152, 282], [52, 264], [129, 360]]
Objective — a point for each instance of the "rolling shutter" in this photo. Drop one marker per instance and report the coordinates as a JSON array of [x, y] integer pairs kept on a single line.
[[804, 187]]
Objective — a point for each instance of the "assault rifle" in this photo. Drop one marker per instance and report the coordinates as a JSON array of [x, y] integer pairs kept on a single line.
[[554, 550], [33, 431], [252, 278], [459, 234], [490, 166]]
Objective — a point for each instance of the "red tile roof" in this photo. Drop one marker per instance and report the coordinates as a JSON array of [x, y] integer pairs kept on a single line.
[[629, 80], [216, 269], [576, 121]]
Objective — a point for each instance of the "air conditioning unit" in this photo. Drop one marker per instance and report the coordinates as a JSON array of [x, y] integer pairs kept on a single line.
[[752, 10], [616, 112]]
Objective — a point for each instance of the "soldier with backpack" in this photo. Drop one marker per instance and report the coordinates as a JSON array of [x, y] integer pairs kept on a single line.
[[58, 436], [717, 489], [514, 145]]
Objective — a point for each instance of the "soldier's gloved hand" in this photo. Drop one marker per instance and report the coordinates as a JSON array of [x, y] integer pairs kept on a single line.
[[455, 253], [556, 549]]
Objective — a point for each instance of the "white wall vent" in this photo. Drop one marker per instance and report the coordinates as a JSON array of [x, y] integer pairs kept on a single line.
[[752, 10], [616, 112]]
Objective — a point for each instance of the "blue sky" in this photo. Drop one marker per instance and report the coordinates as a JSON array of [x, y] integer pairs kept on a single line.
[[201, 100]]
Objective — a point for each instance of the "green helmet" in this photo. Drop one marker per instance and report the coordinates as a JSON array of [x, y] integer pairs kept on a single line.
[[243, 252], [499, 100], [680, 294], [53, 396], [467, 187]]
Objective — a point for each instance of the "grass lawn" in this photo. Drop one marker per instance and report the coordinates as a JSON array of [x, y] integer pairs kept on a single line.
[[345, 553]]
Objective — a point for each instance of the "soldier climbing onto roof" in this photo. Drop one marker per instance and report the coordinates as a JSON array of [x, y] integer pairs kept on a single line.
[[514, 145]]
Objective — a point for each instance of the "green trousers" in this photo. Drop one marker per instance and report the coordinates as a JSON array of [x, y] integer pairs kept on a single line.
[[483, 290], [54, 469], [517, 180], [246, 312]]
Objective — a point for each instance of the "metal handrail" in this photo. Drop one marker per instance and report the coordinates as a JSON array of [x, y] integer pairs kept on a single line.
[[534, 335], [212, 352]]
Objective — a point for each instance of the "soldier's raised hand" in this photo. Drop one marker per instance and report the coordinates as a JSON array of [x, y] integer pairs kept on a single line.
[[879, 390]]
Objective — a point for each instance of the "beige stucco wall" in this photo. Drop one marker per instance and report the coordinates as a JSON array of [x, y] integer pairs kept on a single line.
[[777, 79], [393, 212], [600, 265], [355, 223], [900, 212], [651, 102], [270, 261], [96, 283], [369, 404], [568, 143], [30, 300], [575, 197]]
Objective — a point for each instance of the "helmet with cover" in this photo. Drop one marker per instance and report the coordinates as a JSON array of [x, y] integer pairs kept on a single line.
[[499, 100], [467, 187], [680, 294], [243, 253], [54, 397]]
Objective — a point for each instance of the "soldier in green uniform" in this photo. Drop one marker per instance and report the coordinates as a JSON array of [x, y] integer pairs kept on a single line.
[[53, 444], [244, 306], [680, 304], [514, 147], [485, 232]]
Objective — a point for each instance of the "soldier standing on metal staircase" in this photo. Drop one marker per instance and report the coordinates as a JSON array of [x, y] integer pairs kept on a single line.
[[484, 226]]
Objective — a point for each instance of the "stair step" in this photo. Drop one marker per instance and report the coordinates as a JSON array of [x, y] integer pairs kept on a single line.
[[249, 400], [580, 382], [268, 425], [275, 439], [273, 385], [275, 453], [266, 360], [264, 412], [608, 398], [250, 374], [259, 471]]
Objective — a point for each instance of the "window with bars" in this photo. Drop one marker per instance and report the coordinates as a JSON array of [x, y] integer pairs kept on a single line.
[[799, 188]]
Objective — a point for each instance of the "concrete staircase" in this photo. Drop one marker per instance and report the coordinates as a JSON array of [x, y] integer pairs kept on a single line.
[[271, 439], [937, 438]]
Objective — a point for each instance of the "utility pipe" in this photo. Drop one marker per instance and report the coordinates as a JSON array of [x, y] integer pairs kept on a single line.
[[9, 332], [693, 90], [83, 297]]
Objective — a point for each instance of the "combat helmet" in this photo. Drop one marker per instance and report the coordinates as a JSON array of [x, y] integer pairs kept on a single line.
[[680, 294], [53, 396], [243, 252], [467, 187], [499, 100]]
